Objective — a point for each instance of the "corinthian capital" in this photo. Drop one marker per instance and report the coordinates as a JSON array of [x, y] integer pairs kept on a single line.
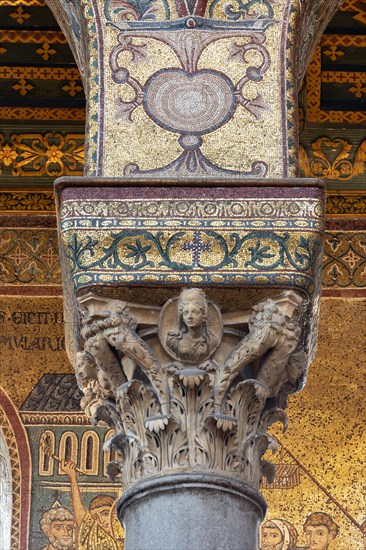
[[187, 388]]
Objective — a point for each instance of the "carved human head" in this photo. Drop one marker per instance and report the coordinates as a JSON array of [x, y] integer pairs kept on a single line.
[[100, 510], [192, 307], [58, 525], [320, 530], [278, 534], [193, 295]]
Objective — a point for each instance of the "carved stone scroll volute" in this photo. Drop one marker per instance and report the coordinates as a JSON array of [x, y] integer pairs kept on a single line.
[[188, 399]]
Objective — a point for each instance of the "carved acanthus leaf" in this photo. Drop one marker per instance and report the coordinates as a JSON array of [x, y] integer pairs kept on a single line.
[[210, 408]]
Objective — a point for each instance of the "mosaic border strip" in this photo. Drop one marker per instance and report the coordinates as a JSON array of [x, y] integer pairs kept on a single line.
[[40, 73], [253, 237], [32, 36], [344, 261], [23, 3], [346, 203], [339, 203], [41, 113], [20, 460]]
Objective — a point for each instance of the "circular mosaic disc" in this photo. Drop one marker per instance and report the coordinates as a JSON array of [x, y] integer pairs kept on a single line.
[[189, 103]]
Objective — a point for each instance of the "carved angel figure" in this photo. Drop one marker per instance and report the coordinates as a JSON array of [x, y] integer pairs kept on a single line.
[[193, 342]]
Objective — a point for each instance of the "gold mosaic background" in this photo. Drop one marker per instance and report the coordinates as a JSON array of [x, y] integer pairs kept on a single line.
[[326, 434], [31, 343]]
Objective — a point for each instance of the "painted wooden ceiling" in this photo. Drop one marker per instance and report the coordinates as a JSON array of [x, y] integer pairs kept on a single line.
[[42, 103]]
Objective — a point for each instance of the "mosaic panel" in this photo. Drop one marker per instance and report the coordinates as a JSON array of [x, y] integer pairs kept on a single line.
[[248, 86], [29, 256], [344, 261], [241, 240], [327, 479], [320, 463], [238, 97]]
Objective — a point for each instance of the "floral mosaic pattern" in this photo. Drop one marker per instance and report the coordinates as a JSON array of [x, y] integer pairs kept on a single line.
[[29, 256], [161, 10], [51, 154], [193, 240], [345, 259]]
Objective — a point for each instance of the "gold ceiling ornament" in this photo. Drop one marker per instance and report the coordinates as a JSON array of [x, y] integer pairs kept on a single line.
[[345, 40], [20, 15], [41, 113], [314, 78], [23, 87], [51, 154], [359, 89], [346, 203], [330, 159], [22, 3], [343, 77], [357, 7], [334, 53], [7, 154], [40, 73], [72, 88], [31, 36], [46, 51], [27, 201]]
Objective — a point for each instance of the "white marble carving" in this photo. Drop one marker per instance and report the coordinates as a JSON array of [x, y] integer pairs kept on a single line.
[[186, 388]]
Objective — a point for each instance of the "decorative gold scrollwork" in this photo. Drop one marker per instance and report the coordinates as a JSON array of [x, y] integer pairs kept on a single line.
[[329, 159], [37, 155]]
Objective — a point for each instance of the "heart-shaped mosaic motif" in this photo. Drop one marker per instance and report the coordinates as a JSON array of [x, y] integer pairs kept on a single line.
[[189, 103]]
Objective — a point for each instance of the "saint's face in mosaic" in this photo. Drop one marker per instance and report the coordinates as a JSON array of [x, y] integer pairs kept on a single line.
[[271, 538], [320, 530]]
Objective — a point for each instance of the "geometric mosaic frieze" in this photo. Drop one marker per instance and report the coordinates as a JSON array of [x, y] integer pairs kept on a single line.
[[339, 203], [344, 261], [29, 256]]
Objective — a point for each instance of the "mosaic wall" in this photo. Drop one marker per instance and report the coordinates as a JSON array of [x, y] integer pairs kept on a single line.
[[320, 458], [234, 65]]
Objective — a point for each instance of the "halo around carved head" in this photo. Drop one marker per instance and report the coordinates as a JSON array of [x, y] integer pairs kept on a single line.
[[174, 333]]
